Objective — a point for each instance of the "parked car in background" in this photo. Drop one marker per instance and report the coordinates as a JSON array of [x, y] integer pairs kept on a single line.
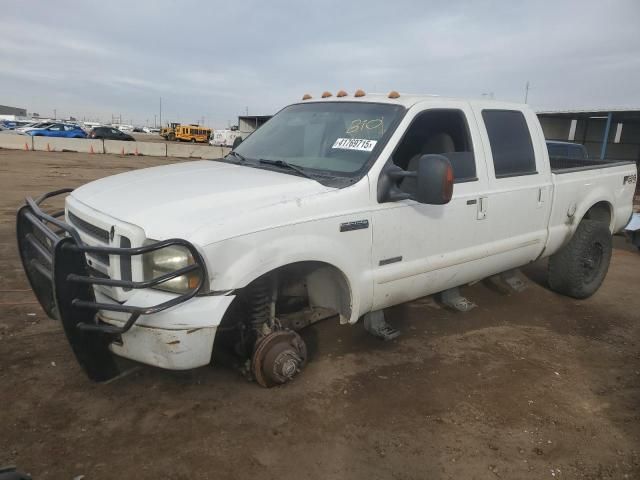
[[110, 133], [59, 130], [567, 153], [13, 124], [224, 138], [33, 126]]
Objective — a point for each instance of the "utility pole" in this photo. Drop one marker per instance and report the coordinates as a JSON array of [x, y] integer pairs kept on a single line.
[[526, 92], [160, 112]]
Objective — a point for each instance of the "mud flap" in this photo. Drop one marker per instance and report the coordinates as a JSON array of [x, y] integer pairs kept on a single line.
[[91, 348]]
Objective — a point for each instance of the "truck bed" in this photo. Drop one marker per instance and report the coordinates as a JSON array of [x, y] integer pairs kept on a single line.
[[567, 165], [610, 183]]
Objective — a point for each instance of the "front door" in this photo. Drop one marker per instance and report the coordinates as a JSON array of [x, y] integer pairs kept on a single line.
[[422, 249]]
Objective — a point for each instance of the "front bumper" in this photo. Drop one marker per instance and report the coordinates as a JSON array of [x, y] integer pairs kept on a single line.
[[54, 259]]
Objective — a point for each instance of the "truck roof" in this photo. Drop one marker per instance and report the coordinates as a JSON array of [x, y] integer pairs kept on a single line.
[[407, 100]]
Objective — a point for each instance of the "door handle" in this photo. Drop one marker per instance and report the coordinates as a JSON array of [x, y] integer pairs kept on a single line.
[[540, 196], [482, 207]]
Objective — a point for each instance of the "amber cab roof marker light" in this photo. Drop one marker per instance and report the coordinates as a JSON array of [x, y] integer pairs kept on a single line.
[[306, 96], [341, 93], [327, 94], [359, 93], [393, 94]]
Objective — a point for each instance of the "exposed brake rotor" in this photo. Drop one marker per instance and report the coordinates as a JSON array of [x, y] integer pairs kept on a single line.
[[278, 357]]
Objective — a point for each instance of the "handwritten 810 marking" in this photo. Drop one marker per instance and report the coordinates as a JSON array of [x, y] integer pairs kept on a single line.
[[358, 125]]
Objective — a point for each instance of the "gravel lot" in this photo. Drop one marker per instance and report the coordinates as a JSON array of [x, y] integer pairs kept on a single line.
[[526, 386]]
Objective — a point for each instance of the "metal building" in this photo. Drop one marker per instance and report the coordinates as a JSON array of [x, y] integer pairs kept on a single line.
[[18, 112], [248, 124], [606, 132]]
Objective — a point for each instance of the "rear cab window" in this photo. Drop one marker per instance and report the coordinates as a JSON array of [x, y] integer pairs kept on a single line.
[[510, 141]]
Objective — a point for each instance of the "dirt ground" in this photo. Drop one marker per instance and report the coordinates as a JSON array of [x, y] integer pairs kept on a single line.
[[526, 386]]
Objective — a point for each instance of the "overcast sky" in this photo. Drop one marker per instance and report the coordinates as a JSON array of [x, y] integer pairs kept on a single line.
[[215, 59]]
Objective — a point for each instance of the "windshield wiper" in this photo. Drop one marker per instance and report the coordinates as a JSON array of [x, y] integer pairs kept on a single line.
[[289, 166], [237, 155]]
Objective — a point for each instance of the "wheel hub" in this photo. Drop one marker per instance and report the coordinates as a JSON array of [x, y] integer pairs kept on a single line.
[[278, 358]]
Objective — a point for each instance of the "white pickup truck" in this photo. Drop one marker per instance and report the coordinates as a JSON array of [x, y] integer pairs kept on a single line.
[[337, 207]]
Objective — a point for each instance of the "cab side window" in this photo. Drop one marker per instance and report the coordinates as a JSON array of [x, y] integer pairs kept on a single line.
[[438, 131], [510, 141]]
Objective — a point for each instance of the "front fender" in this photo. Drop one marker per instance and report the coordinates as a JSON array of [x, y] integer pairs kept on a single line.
[[236, 262]]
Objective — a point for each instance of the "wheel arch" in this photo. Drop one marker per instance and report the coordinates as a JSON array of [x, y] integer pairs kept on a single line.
[[327, 285], [600, 211]]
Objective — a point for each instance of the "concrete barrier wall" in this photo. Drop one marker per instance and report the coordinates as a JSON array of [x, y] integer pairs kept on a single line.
[[53, 144], [215, 152], [13, 141], [118, 147], [187, 150]]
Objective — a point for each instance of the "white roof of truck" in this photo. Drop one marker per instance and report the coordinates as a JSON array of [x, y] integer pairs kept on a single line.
[[407, 100]]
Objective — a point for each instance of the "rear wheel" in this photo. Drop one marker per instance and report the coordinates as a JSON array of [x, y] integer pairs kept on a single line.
[[171, 137], [579, 268], [193, 140]]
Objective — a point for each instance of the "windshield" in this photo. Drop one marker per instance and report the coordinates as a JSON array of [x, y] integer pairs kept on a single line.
[[333, 137]]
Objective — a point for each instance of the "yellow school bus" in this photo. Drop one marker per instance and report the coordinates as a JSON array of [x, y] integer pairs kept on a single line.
[[192, 133]]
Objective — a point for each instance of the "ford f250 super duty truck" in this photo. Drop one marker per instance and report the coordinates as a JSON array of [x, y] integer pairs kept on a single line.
[[339, 206]]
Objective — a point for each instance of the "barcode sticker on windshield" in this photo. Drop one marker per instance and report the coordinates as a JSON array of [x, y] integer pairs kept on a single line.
[[361, 144]]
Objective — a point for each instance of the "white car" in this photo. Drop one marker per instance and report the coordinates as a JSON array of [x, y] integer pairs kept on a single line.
[[224, 138], [32, 126], [337, 207]]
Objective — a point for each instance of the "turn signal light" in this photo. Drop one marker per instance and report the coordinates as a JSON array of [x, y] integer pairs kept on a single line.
[[448, 185]]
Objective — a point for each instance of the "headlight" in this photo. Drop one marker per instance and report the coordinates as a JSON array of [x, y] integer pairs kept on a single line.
[[167, 260]]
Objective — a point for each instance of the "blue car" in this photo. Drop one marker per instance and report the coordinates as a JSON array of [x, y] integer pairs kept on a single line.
[[59, 130]]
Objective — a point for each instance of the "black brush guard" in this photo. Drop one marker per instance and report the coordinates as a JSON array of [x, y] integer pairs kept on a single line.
[[53, 257]]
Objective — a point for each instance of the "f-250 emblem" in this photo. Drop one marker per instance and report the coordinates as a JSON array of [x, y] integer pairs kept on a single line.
[[629, 179]]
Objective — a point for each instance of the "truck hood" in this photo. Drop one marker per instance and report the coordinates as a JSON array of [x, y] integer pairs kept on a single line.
[[177, 200]]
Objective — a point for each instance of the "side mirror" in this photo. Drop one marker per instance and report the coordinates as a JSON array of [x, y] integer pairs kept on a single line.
[[433, 181], [236, 141]]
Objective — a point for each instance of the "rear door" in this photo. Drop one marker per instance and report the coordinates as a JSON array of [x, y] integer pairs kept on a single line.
[[517, 207]]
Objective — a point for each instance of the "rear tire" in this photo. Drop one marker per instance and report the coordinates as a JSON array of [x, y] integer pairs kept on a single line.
[[579, 268], [193, 140]]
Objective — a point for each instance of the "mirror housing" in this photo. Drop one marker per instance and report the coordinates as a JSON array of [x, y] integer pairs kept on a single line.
[[434, 181]]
